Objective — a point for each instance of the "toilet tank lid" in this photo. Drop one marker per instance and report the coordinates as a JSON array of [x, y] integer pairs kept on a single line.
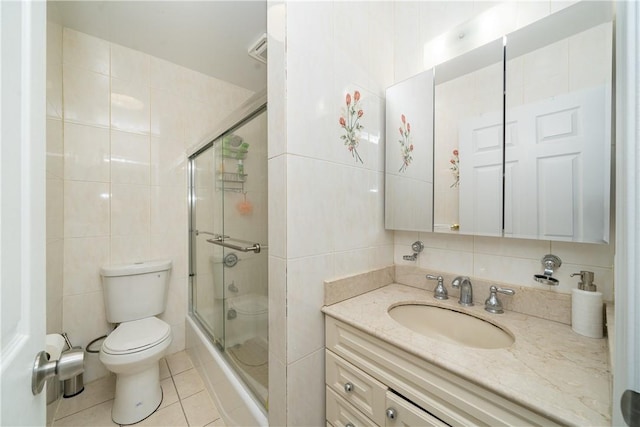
[[136, 268]]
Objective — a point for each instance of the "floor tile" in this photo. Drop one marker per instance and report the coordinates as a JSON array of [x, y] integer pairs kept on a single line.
[[169, 393], [95, 416], [217, 423], [200, 409], [164, 369], [95, 392], [171, 416], [188, 383], [179, 362]]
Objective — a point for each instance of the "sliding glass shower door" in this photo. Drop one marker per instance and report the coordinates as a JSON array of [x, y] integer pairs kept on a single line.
[[229, 275]]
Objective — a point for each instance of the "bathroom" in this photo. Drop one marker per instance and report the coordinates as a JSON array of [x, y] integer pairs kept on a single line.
[[319, 229]]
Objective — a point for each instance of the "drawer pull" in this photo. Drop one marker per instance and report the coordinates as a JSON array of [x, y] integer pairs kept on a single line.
[[349, 425], [391, 414], [348, 387]]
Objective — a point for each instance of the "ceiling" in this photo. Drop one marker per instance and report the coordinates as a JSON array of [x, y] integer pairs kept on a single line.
[[211, 37]]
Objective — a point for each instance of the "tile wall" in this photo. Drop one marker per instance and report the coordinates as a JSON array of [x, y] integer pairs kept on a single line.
[[325, 208], [55, 179], [127, 119]]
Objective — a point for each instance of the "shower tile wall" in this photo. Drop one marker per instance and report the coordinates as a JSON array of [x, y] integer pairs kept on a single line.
[[127, 120]]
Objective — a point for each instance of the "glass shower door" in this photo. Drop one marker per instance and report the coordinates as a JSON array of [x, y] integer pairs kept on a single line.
[[229, 236], [208, 274]]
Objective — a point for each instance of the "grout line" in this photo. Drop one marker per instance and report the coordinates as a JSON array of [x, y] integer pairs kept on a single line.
[[179, 399]]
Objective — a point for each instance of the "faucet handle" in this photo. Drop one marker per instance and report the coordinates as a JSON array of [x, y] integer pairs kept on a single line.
[[440, 292], [493, 304]]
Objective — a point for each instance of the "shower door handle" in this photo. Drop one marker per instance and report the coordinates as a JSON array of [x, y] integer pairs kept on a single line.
[[216, 236], [255, 247]]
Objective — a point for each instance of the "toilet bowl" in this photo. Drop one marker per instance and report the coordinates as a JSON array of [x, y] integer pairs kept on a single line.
[[134, 294]]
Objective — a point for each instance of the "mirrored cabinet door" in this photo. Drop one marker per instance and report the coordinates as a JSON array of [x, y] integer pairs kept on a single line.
[[409, 154], [511, 139], [468, 145], [558, 127]]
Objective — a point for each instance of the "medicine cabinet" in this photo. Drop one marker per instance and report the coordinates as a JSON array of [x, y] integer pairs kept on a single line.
[[521, 137]]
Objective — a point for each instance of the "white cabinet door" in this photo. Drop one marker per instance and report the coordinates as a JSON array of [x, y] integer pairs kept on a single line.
[[22, 211]]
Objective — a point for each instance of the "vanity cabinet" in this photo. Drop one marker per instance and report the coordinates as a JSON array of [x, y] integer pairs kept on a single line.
[[367, 377]]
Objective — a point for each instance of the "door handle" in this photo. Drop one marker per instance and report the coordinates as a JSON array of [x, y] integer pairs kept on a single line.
[[630, 407], [70, 364]]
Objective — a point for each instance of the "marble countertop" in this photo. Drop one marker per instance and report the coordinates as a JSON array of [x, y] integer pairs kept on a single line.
[[549, 369]]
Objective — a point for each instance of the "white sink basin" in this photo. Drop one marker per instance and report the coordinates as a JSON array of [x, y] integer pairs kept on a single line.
[[451, 326]]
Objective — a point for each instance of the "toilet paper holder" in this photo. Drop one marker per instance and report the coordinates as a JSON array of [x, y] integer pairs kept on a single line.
[[550, 262]]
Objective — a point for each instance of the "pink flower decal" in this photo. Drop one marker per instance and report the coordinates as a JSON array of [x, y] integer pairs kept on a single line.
[[350, 122], [406, 147], [455, 168]]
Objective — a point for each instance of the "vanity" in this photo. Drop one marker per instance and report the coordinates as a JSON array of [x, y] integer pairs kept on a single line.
[[380, 372]]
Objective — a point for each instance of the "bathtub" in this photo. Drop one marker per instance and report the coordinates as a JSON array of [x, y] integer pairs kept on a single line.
[[237, 405], [249, 320]]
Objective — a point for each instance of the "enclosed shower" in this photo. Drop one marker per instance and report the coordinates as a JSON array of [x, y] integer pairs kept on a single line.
[[228, 246]]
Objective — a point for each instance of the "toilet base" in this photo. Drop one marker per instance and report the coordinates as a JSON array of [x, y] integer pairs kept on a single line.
[[137, 396]]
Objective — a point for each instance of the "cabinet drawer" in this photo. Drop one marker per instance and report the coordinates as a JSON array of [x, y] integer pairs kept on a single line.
[[408, 414], [356, 387], [341, 413]]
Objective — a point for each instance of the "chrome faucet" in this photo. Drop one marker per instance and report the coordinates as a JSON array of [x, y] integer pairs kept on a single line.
[[439, 292], [493, 304], [466, 290]]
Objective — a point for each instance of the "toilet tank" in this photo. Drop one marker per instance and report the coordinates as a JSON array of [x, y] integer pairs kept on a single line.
[[135, 291]]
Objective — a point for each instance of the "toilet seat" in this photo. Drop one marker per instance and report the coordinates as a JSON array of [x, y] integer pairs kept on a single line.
[[136, 336]]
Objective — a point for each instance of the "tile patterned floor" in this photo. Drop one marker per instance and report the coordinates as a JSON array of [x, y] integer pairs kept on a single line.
[[186, 402]]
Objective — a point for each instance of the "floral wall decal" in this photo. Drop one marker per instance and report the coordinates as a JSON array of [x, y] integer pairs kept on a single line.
[[350, 122], [406, 147], [454, 167]]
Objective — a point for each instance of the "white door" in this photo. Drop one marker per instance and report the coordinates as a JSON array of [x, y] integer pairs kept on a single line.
[[481, 175], [22, 207], [557, 151]]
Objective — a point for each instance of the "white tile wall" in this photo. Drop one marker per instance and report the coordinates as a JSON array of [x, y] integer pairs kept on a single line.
[[126, 123], [306, 391], [86, 153], [85, 51], [326, 210], [55, 180], [130, 158], [86, 96]]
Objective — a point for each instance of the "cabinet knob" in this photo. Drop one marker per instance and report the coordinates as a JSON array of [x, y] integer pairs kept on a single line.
[[348, 387], [349, 425], [391, 414]]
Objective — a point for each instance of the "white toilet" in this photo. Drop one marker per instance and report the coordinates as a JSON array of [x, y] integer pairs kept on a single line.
[[133, 295]]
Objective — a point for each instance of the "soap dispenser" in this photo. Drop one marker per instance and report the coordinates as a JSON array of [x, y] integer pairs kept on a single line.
[[586, 307], [586, 281]]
